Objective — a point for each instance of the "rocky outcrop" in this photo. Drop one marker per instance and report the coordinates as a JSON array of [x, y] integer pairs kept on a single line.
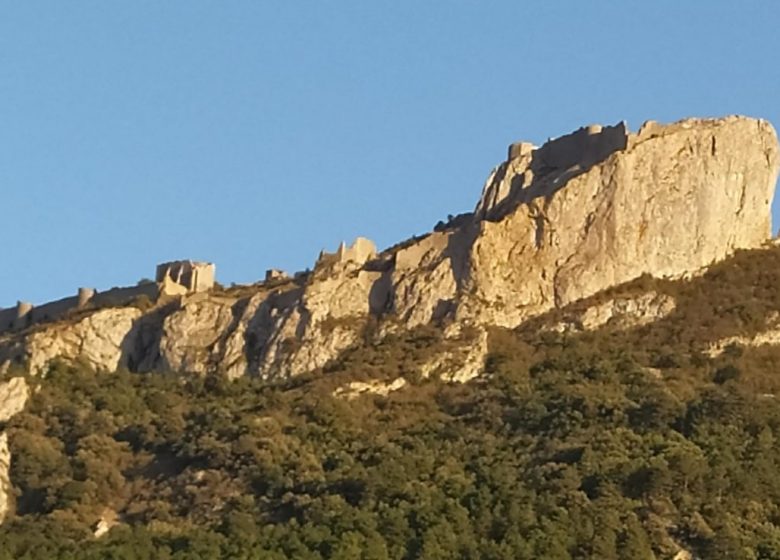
[[101, 338], [13, 397], [6, 489], [463, 362], [189, 336], [674, 199], [108, 520], [623, 312], [555, 224], [334, 305], [770, 336], [355, 389]]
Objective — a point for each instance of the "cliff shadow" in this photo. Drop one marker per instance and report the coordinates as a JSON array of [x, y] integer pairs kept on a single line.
[[380, 295], [140, 348], [458, 251], [267, 320]]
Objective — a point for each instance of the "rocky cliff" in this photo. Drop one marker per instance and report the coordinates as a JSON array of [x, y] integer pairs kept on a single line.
[[554, 224]]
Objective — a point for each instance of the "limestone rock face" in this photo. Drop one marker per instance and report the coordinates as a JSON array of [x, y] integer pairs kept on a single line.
[[463, 363], [189, 336], [426, 276], [6, 489], [332, 309], [629, 311], [624, 311], [675, 199], [554, 224], [769, 336], [108, 520], [355, 389], [13, 396], [101, 338]]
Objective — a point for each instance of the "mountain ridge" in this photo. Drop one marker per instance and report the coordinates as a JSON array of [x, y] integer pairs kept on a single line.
[[555, 224]]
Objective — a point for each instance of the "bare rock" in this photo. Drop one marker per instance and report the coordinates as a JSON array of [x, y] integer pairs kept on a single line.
[[108, 520], [6, 488], [425, 277], [356, 389], [554, 225], [13, 396], [462, 363], [629, 311], [683, 554], [241, 345], [675, 199], [101, 338], [190, 334], [770, 336], [623, 311], [329, 318]]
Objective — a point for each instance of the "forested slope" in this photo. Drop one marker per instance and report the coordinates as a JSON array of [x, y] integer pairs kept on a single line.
[[619, 443]]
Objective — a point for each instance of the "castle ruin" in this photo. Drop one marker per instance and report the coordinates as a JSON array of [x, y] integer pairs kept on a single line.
[[189, 275], [358, 253], [175, 278]]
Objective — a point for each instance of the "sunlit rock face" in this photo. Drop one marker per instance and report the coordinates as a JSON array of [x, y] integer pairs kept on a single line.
[[554, 224], [13, 397], [102, 338], [624, 312], [6, 488], [667, 201]]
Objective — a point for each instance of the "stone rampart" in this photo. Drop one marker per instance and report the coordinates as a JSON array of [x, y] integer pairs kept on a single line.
[[584, 147], [174, 278], [123, 296], [7, 318], [53, 310]]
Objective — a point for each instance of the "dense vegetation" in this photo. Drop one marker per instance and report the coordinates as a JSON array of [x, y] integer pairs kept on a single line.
[[617, 444]]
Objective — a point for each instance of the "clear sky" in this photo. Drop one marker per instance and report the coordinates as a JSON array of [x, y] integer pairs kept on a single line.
[[253, 134]]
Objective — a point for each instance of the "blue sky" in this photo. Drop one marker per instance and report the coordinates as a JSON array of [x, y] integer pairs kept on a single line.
[[253, 134]]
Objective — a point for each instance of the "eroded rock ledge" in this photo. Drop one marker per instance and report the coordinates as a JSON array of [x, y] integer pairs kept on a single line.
[[554, 224]]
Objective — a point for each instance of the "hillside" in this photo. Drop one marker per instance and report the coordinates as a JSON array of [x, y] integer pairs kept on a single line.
[[585, 366], [613, 443]]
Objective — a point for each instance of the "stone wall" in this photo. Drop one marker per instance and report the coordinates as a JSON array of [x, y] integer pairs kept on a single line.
[[7, 318], [26, 314], [122, 296], [584, 147], [53, 310], [174, 278]]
